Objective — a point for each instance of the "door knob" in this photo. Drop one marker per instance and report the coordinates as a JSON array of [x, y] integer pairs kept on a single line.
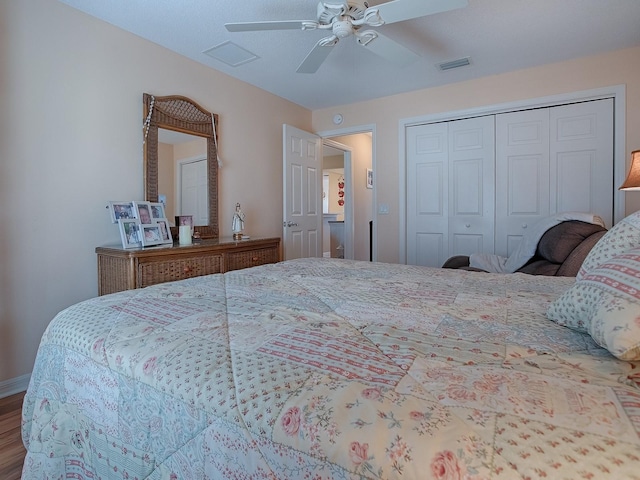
[[289, 224]]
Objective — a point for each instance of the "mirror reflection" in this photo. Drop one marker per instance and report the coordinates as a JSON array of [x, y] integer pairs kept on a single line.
[[182, 175]]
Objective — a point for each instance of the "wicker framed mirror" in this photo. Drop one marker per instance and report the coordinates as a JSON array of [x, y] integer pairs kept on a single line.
[[180, 114]]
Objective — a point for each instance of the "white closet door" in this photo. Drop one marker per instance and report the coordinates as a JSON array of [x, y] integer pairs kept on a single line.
[[522, 175], [582, 158], [471, 186], [450, 194], [427, 194]]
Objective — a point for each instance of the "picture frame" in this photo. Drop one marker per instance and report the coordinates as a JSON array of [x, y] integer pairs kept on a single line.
[[143, 212], [184, 220], [118, 210], [369, 178], [130, 233], [151, 234], [165, 230], [157, 211]]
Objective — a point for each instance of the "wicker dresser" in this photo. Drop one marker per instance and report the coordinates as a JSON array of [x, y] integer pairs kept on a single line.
[[124, 269]]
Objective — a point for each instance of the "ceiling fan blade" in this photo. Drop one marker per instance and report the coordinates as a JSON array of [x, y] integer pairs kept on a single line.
[[390, 50], [275, 25], [400, 10], [316, 56]]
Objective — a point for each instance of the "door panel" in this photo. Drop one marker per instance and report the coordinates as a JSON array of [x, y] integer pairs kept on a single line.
[[302, 216], [427, 194], [471, 193], [522, 175], [582, 158]]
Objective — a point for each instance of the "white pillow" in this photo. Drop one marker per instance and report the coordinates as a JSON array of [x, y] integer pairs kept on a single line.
[[623, 235], [606, 304]]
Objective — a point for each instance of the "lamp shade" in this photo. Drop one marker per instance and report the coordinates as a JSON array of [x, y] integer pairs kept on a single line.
[[633, 178]]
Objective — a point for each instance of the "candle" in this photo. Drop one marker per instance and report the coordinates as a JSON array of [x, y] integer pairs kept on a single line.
[[184, 235]]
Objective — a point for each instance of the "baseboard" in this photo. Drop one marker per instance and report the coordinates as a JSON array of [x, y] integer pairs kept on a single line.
[[14, 385]]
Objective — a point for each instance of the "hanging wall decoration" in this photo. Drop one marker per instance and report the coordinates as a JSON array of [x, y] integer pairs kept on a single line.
[[341, 191]]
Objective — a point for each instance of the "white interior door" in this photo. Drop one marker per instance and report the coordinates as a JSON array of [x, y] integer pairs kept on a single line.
[[302, 216], [450, 190], [471, 186], [522, 175], [193, 197], [427, 194], [581, 156]]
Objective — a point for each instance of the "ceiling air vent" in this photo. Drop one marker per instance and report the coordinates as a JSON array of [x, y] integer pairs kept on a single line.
[[231, 54], [461, 62]]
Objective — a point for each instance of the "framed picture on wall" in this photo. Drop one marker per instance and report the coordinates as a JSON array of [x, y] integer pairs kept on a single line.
[[369, 178], [118, 210], [130, 232]]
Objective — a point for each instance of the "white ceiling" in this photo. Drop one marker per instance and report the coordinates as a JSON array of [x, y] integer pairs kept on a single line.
[[498, 35]]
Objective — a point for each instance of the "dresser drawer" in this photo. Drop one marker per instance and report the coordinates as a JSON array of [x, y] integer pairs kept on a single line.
[[251, 258], [154, 272]]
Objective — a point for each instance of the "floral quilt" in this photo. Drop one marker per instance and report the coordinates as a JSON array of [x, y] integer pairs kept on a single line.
[[329, 369]]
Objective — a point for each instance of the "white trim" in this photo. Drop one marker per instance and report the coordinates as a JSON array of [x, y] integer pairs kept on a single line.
[[14, 385], [617, 92], [371, 128]]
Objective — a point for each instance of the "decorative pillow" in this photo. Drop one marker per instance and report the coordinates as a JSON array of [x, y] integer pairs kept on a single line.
[[623, 235], [606, 304]]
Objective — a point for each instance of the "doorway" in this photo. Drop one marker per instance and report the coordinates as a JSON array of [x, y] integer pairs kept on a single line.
[[302, 192]]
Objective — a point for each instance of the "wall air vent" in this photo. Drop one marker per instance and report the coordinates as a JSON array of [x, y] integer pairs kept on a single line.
[[231, 54], [461, 62]]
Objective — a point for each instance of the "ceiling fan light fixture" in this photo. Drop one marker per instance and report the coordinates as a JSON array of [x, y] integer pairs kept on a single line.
[[231, 54], [460, 62]]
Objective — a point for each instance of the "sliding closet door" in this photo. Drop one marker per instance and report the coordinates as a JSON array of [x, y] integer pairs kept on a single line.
[[427, 194], [552, 160], [582, 158], [522, 175], [471, 186], [450, 195]]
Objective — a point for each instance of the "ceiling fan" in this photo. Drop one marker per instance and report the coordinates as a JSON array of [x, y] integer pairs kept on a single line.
[[353, 17]]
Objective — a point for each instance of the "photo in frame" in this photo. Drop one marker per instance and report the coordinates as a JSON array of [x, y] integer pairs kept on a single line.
[[130, 233], [157, 211], [184, 220], [165, 230], [143, 212], [118, 210], [369, 178], [151, 234]]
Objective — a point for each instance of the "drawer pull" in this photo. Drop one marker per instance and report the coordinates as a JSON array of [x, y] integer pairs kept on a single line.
[[254, 259], [187, 269]]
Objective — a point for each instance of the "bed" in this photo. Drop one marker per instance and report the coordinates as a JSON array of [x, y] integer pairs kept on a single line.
[[329, 368]]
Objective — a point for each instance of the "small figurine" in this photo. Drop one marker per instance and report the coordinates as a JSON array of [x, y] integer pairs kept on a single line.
[[238, 223]]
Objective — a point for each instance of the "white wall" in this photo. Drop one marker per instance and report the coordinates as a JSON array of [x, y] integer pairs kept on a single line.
[[617, 68], [71, 140]]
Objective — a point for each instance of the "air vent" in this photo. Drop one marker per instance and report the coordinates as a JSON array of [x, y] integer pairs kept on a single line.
[[231, 54], [461, 62]]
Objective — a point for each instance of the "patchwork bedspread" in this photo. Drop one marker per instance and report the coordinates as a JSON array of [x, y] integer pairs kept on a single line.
[[323, 368]]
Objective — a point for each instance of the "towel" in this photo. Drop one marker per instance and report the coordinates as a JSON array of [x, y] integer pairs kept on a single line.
[[528, 245]]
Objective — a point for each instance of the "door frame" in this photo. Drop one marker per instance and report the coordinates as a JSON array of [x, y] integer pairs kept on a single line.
[[371, 128], [617, 92]]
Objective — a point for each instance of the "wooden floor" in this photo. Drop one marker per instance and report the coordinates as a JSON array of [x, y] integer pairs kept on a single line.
[[12, 451]]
